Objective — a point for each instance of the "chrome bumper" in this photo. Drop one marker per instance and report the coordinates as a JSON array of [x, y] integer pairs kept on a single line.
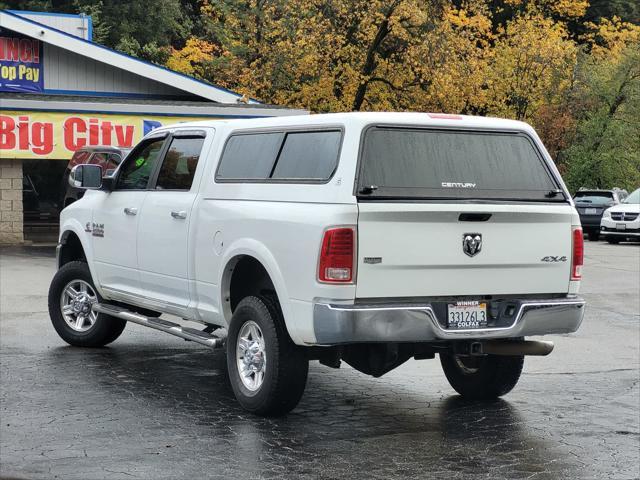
[[621, 233], [341, 324]]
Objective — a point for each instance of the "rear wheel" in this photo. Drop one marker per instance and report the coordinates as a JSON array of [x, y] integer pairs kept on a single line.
[[268, 372], [482, 377], [71, 296]]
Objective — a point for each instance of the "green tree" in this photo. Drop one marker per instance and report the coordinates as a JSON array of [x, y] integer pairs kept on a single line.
[[101, 28], [627, 10], [137, 27], [606, 149]]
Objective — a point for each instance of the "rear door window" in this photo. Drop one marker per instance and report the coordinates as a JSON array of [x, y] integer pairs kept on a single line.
[[81, 156], [105, 160], [179, 164], [113, 160], [424, 163]]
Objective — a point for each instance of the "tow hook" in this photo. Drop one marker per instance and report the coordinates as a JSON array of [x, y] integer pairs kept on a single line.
[[475, 348]]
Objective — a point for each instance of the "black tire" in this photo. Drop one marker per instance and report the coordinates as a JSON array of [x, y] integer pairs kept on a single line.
[[594, 236], [104, 330], [285, 368], [482, 377], [613, 241]]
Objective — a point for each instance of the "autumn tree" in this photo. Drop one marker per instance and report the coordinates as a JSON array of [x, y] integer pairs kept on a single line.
[[568, 67], [606, 150], [324, 54], [532, 62]]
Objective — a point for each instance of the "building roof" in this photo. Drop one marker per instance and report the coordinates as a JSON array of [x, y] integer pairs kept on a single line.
[[138, 106], [102, 54], [78, 25]]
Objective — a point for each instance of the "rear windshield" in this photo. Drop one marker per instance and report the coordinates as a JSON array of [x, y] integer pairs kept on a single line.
[[633, 198], [421, 163], [595, 198]]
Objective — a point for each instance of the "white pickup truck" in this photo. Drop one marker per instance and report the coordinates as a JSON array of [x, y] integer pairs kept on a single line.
[[369, 238]]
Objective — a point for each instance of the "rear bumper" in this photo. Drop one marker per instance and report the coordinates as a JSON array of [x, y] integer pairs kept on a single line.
[[630, 233], [590, 221], [343, 324]]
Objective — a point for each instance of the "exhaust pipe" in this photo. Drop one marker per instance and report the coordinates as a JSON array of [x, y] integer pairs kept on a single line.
[[524, 347]]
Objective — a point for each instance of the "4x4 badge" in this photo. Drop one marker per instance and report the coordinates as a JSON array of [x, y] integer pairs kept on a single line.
[[471, 243]]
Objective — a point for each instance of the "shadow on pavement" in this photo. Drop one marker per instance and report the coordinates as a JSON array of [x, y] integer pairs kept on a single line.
[[357, 421]]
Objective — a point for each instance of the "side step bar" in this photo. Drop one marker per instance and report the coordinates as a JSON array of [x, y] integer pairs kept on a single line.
[[192, 334]]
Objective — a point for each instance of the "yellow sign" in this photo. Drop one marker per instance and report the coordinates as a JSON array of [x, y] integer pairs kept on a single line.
[[55, 135]]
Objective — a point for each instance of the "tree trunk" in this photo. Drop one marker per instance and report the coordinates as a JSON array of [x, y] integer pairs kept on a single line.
[[369, 65]]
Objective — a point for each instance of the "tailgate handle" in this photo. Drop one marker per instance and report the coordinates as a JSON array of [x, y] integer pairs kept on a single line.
[[474, 217]]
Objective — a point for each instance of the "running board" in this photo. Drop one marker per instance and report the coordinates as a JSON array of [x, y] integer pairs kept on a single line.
[[171, 328]]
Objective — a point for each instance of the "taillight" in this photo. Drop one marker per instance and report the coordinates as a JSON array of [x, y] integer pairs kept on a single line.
[[337, 255], [577, 258]]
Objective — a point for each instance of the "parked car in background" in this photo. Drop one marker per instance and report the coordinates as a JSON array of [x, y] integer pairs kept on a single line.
[[622, 222], [36, 209], [591, 204], [108, 158]]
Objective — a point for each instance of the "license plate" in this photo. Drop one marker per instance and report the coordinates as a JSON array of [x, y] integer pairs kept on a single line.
[[466, 315], [621, 226], [590, 211]]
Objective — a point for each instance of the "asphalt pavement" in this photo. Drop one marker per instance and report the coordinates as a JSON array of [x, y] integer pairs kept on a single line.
[[151, 406]]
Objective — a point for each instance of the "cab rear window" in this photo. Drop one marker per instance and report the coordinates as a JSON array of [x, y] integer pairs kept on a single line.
[[441, 164]]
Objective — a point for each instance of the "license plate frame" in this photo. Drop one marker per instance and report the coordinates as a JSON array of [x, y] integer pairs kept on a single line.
[[621, 226], [469, 315], [591, 211]]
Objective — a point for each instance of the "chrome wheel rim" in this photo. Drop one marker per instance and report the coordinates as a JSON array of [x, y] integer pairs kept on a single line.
[[251, 356], [76, 301]]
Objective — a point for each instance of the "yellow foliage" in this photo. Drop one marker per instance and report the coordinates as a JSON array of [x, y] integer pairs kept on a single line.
[[568, 8], [195, 52], [532, 62], [421, 55], [610, 37], [559, 8]]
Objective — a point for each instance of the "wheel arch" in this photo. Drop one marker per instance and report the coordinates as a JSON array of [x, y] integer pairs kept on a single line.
[[74, 245], [243, 260], [70, 248]]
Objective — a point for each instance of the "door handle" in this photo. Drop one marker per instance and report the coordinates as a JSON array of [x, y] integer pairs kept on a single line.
[[131, 211], [181, 215]]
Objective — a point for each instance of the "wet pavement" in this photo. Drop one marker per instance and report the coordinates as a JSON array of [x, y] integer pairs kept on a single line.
[[152, 406]]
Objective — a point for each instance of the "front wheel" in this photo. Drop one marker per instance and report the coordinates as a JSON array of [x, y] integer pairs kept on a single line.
[[482, 377], [71, 296], [613, 241], [268, 372]]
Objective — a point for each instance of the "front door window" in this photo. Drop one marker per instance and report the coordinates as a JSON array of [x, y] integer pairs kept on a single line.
[[140, 164]]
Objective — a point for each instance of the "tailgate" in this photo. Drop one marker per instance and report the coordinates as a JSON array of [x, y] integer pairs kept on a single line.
[[418, 249]]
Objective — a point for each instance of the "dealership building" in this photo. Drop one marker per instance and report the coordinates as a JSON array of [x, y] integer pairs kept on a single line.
[[60, 91]]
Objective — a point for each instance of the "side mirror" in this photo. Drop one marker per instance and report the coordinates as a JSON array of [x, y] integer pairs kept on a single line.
[[86, 177]]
